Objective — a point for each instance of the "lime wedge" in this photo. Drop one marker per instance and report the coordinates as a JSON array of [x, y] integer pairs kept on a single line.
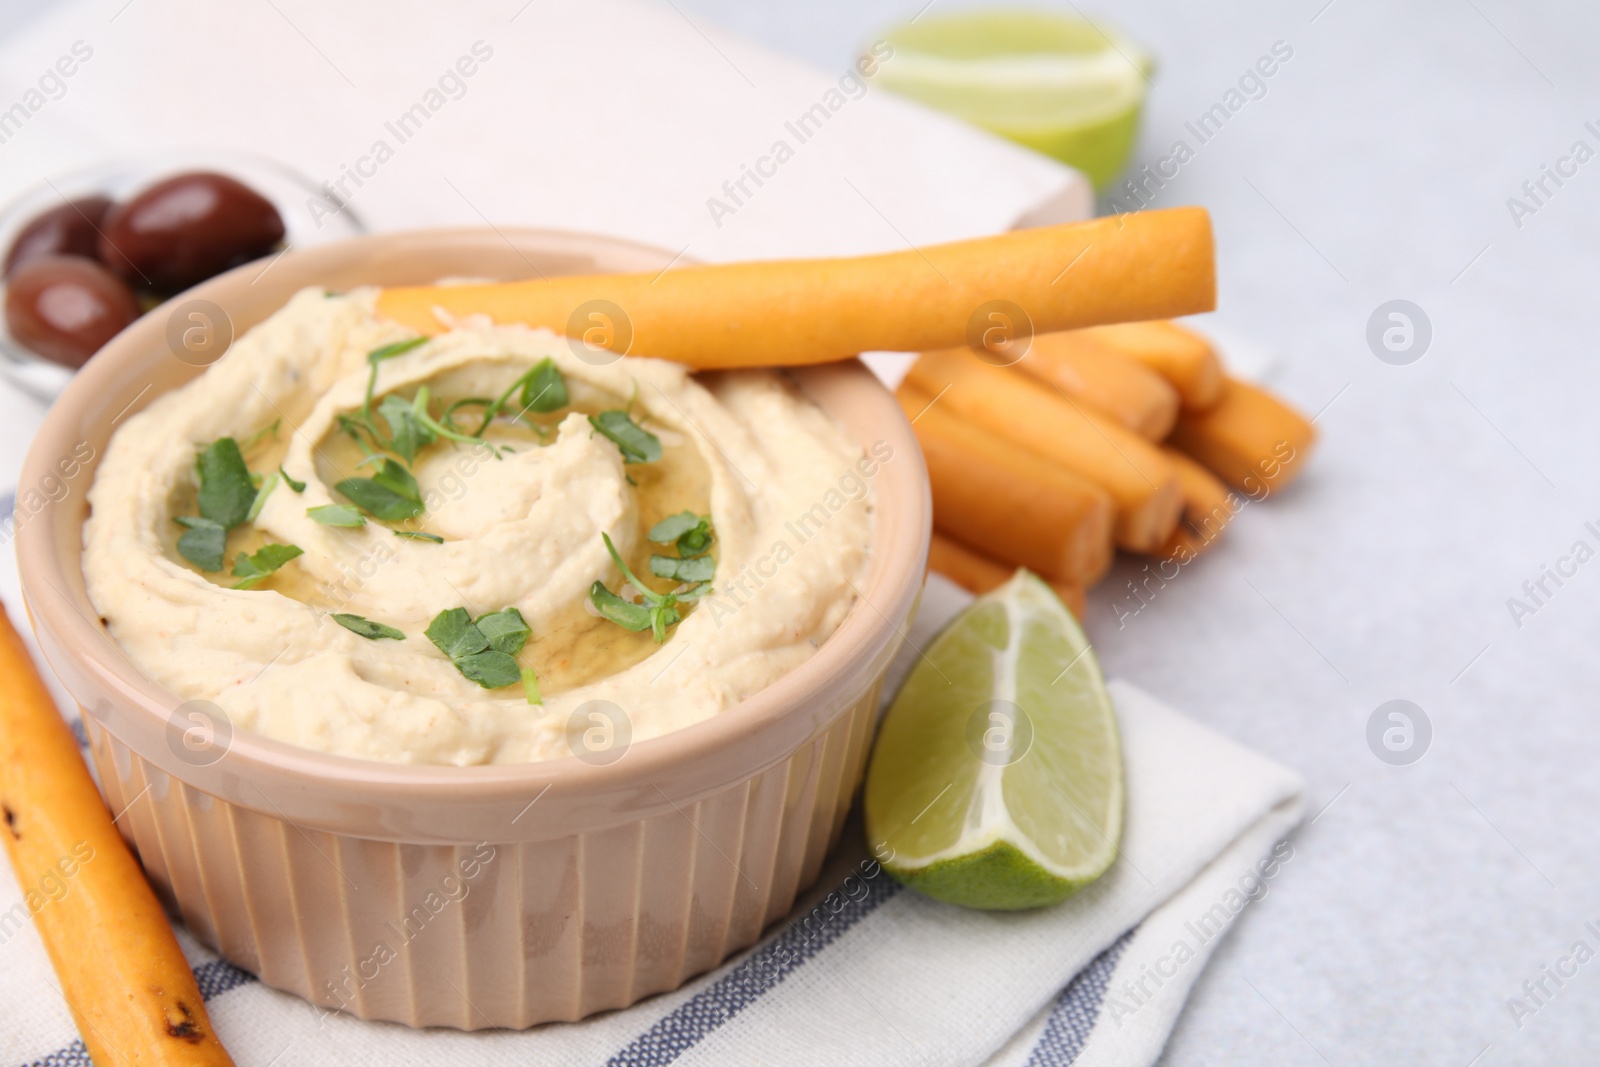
[[996, 782], [1063, 86]]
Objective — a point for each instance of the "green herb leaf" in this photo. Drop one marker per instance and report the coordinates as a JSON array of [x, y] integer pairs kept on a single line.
[[391, 494], [530, 686], [336, 515], [378, 501], [407, 434], [544, 389], [203, 543], [355, 426], [628, 615], [225, 490], [658, 611], [452, 633], [419, 410], [447, 418], [673, 527], [697, 542], [298, 487], [663, 616], [490, 669], [616, 557], [482, 651], [691, 532], [396, 348], [268, 484], [689, 596], [261, 564], [364, 627], [695, 569], [505, 630], [395, 478], [637, 445], [419, 535]]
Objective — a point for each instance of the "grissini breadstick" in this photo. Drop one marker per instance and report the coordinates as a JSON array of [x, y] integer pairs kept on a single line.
[[1249, 438], [1125, 389], [786, 312], [978, 574], [1182, 357], [1023, 509], [1002, 403], [128, 985], [1208, 506]]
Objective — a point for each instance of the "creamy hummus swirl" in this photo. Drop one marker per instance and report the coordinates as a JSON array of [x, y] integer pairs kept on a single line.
[[787, 489]]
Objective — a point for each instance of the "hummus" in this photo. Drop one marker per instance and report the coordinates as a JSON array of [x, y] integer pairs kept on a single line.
[[512, 520]]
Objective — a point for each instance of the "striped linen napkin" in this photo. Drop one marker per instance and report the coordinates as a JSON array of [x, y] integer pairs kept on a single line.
[[863, 971]]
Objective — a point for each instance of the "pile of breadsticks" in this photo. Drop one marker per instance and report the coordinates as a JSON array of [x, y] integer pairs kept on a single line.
[[1128, 436]]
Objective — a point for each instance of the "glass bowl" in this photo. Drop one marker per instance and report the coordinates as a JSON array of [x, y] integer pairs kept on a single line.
[[287, 189]]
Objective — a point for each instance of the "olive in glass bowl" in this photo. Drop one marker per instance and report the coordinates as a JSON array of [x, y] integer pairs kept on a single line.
[[66, 307], [188, 228], [140, 230], [72, 229]]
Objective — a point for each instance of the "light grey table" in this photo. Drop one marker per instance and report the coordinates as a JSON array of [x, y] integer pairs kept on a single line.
[[1376, 167]]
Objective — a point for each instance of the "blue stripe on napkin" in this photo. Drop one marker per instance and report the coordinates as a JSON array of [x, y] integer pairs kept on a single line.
[[74, 1055], [219, 976], [1072, 1020], [213, 979], [769, 965]]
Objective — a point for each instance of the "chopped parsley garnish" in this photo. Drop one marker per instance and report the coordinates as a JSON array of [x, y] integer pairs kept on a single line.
[[362, 423], [419, 535], [336, 515], [412, 426], [261, 564], [226, 492], [454, 635], [695, 570], [391, 494], [268, 484], [364, 627], [505, 630], [298, 487], [389, 351], [658, 610], [419, 411], [408, 434], [483, 651], [692, 535], [203, 543], [637, 445], [544, 389], [227, 499], [627, 614]]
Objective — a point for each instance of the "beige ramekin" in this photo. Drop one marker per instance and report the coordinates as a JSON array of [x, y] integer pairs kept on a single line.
[[471, 897]]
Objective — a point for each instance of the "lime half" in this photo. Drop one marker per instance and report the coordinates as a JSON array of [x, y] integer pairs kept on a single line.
[[996, 782], [1065, 87]]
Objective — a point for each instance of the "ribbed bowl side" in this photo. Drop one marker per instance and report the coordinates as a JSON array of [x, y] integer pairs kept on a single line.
[[485, 934]]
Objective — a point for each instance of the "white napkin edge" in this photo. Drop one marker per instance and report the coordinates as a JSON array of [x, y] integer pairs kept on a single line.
[[1128, 1031]]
